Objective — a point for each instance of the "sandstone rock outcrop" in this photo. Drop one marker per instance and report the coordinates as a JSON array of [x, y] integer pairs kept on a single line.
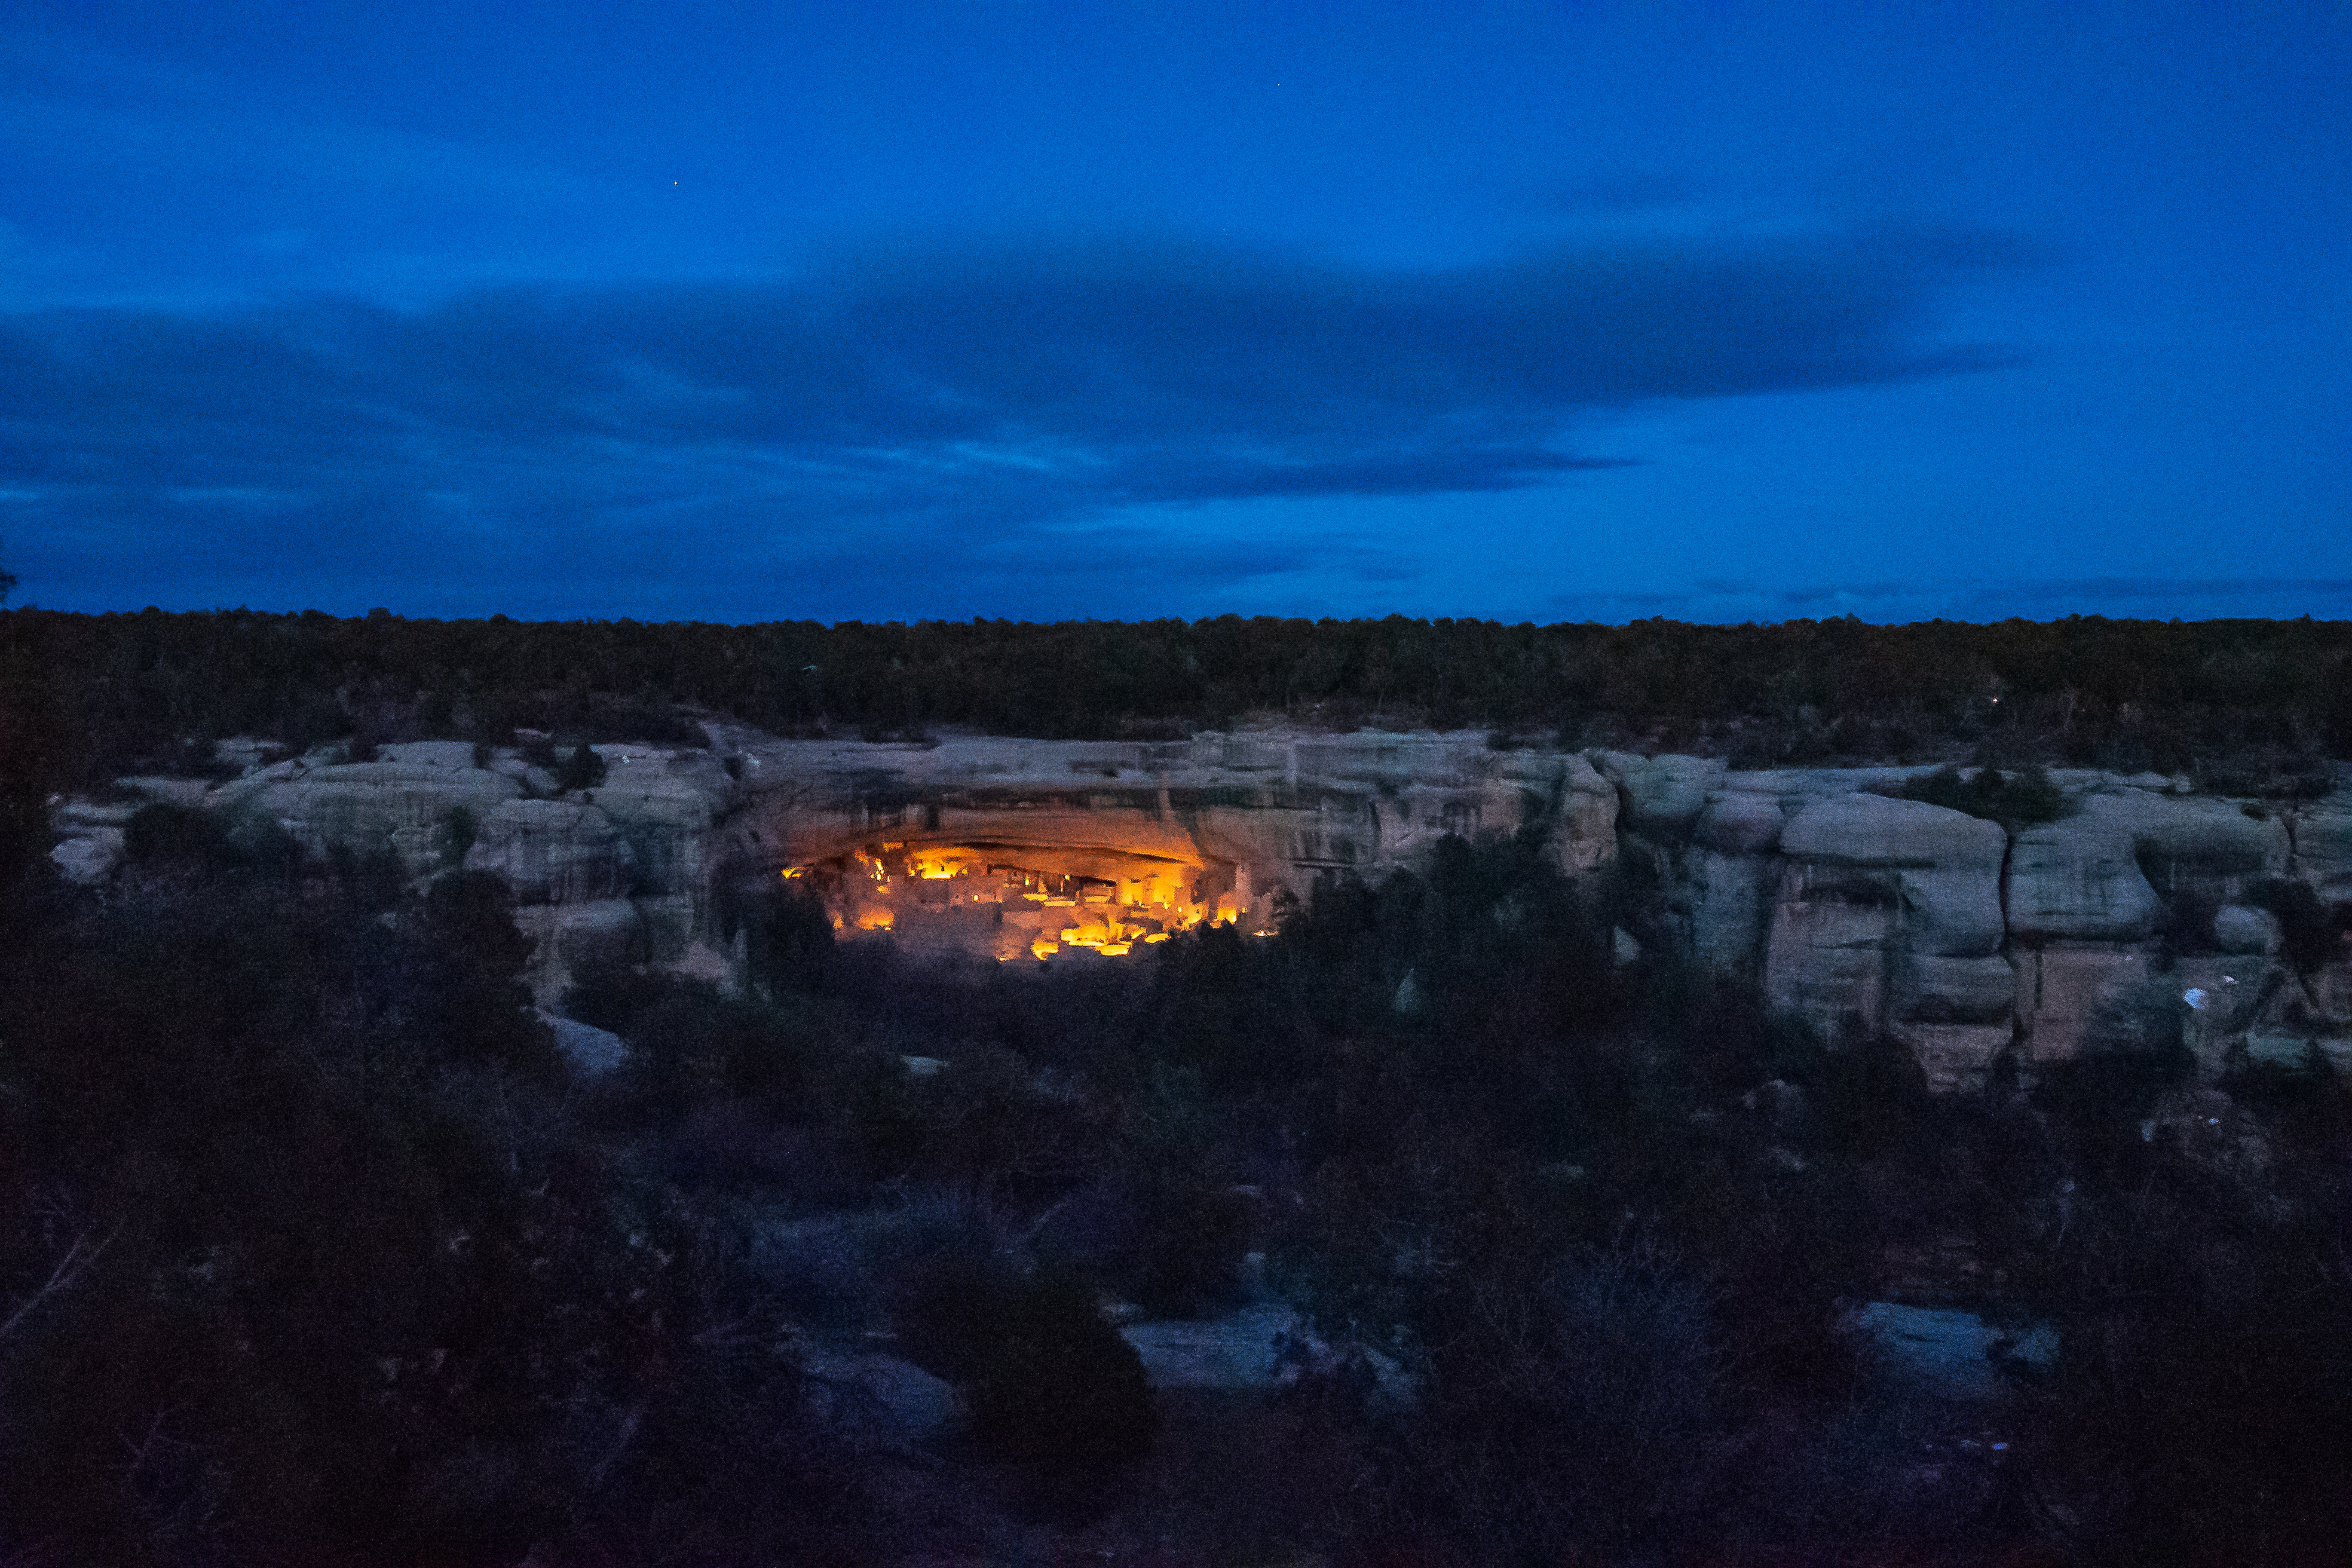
[[1886, 913], [1942, 867], [2078, 880], [1663, 794], [2214, 848], [2322, 832], [2142, 915], [555, 852]]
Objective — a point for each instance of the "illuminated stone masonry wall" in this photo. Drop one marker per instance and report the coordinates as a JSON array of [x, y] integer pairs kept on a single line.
[[1025, 850]]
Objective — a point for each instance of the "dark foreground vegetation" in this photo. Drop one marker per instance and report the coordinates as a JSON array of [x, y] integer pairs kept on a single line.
[[2258, 699], [314, 1249]]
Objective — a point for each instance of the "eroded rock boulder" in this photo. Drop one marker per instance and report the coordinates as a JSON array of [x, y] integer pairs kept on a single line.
[[1826, 956], [2215, 849], [1942, 867], [2238, 928], [407, 802], [1661, 794], [2079, 881], [1585, 837]]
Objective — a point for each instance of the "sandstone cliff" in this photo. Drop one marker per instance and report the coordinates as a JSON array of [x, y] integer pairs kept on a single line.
[[2137, 917]]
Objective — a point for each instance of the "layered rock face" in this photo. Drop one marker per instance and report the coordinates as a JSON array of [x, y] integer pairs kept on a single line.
[[1025, 849], [1016, 849], [2122, 926], [2131, 921]]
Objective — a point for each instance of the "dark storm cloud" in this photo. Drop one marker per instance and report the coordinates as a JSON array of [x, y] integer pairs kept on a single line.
[[954, 402]]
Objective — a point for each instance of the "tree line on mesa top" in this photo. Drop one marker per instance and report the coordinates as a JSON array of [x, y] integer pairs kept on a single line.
[[150, 690]]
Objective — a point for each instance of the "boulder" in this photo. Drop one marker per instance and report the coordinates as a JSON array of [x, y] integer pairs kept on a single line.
[[1259, 1347], [91, 839], [1737, 822], [85, 857], [593, 1052], [2238, 928], [2212, 848], [1943, 865], [2078, 880], [1942, 1351], [1661, 794], [879, 1396], [1241, 1350], [1585, 838]]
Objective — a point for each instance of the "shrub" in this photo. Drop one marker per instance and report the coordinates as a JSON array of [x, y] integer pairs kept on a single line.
[[583, 769], [1058, 1396], [2308, 937], [1582, 1420], [167, 833], [2021, 799], [459, 830]]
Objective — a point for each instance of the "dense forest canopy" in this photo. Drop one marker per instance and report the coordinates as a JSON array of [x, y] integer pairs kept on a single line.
[[136, 689]]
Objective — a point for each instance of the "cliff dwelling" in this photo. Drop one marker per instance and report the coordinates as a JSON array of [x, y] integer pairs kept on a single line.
[[1026, 902]]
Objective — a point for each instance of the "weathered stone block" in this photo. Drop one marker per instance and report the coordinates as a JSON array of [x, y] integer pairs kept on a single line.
[[2078, 882], [2240, 929], [1661, 794], [1825, 960], [1944, 865], [1585, 837], [1730, 905], [1740, 823], [2212, 849]]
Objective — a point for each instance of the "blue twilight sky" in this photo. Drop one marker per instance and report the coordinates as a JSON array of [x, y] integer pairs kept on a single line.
[[1500, 307]]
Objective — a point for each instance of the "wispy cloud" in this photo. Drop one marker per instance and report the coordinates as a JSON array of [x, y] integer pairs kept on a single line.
[[954, 402]]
